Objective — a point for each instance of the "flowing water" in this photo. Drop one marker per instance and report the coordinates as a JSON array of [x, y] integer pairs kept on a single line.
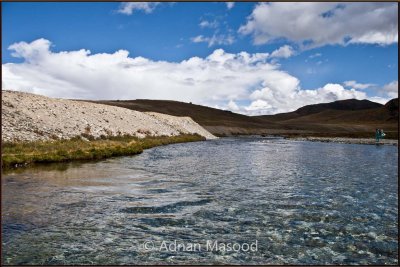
[[274, 201]]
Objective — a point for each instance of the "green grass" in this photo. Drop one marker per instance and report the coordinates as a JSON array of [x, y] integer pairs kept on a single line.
[[27, 153]]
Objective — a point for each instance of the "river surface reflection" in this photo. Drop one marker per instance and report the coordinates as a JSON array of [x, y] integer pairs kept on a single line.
[[303, 202]]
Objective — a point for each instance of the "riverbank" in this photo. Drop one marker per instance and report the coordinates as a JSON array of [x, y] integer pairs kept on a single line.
[[19, 154], [346, 140]]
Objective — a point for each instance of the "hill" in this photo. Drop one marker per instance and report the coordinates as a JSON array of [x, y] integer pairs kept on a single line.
[[345, 117], [348, 104], [343, 111], [340, 106], [201, 114], [393, 109], [356, 118], [219, 122]]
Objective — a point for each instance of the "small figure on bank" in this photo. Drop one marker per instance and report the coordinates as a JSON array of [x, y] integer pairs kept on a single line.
[[377, 135], [381, 134]]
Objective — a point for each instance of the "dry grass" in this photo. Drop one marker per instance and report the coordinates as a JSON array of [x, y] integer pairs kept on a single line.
[[26, 153]]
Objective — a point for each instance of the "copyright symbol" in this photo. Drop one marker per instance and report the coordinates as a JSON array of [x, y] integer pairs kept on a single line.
[[148, 245]]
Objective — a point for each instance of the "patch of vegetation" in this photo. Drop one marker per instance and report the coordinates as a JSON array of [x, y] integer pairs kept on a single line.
[[26, 153]]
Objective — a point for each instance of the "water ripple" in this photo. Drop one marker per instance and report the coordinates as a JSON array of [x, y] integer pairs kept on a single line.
[[304, 202]]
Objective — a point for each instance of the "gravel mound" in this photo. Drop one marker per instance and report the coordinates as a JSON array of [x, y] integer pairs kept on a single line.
[[30, 117]]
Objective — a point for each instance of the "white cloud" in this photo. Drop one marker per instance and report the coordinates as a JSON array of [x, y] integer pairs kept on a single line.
[[209, 24], [128, 8], [315, 55], [387, 92], [355, 85], [317, 24], [230, 5], [198, 39], [283, 51], [233, 106], [258, 107], [378, 99], [216, 39], [211, 81], [269, 100], [391, 89], [222, 33]]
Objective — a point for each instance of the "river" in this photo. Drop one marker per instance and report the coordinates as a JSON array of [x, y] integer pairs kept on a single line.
[[272, 200]]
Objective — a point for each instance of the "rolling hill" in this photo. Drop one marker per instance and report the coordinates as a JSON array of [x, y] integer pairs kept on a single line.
[[356, 118], [220, 122], [342, 111]]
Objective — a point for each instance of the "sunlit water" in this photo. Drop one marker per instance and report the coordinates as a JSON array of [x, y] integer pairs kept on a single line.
[[303, 202]]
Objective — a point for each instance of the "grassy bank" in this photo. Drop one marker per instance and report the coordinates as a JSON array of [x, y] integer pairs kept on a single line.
[[27, 153]]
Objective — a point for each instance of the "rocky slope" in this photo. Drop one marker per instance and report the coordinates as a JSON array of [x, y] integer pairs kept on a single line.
[[30, 117]]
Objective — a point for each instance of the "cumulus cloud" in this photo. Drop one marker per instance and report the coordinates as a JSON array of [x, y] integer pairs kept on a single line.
[[317, 24], [270, 101], [391, 89], [216, 39], [233, 106], [221, 79], [283, 51], [230, 5], [128, 8], [355, 85], [386, 92]]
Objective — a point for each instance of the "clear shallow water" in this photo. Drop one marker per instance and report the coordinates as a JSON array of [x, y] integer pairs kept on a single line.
[[304, 203]]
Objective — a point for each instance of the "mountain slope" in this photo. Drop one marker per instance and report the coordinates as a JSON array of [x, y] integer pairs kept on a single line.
[[348, 104], [340, 106], [340, 118], [201, 114], [343, 111], [393, 108]]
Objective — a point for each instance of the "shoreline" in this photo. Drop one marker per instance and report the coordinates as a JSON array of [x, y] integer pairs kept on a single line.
[[346, 140], [26, 154]]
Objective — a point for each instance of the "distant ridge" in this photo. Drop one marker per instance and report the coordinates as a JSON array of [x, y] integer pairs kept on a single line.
[[393, 107], [349, 117], [348, 104], [343, 105], [342, 111]]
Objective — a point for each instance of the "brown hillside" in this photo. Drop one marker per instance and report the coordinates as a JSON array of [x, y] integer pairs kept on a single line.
[[201, 114], [340, 118]]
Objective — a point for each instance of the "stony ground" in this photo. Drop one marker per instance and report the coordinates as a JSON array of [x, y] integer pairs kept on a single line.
[[30, 117], [364, 141]]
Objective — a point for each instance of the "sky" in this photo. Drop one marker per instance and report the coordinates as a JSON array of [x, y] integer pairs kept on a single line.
[[246, 57]]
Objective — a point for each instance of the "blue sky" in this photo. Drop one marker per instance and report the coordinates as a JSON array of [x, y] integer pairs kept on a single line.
[[362, 55]]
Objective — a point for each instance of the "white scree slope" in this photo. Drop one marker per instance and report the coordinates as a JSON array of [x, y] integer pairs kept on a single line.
[[30, 117]]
